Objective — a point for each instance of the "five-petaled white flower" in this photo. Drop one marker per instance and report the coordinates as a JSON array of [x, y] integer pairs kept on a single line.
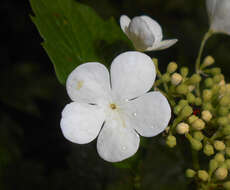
[[119, 103], [145, 33], [219, 15]]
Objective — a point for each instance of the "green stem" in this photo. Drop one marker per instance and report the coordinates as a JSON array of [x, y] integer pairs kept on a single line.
[[195, 160], [206, 37]]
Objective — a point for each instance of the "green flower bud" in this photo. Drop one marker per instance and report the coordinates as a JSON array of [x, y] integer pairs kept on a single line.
[[226, 130], [219, 157], [227, 151], [208, 82], [192, 118], [217, 78], [225, 100], [198, 135], [165, 77], [191, 98], [207, 95], [184, 71], [186, 111], [182, 128], [209, 60], [223, 111], [221, 173], [207, 106], [227, 163], [182, 89], [171, 141], [190, 173], [172, 67], [222, 121], [176, 79], [213, 164], [195, 78], [183, 103], [177, 109], [219, 145], [208, 150], [195, 144], [203, 175], [191, 88], [198, 124], [215, 89], [206, 115], [198, 101], [226, 185], [216, 71]]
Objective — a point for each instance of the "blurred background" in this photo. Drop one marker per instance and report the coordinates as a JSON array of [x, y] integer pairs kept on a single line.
[[33, 152]]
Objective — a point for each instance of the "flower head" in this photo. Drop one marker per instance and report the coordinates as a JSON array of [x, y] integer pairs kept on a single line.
[[219, 15], [145, 33], [115, 108]]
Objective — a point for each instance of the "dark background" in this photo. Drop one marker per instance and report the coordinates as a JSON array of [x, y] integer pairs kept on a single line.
[[33, 152]]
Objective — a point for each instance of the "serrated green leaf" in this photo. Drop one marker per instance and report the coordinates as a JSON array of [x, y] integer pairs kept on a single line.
[[73, 34]]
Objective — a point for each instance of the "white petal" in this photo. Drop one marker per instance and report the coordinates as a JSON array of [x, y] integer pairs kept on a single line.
[[81, 123], [116, 141], [89, 83], [132, 74], [154, 27], [124, 22], [148, 114], [162, 45], [219, 15], [140, 34]]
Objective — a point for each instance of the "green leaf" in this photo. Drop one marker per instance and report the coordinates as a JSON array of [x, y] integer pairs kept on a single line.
[[73, 34]]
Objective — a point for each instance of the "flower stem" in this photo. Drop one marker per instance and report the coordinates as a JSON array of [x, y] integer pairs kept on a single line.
[[206, 37]]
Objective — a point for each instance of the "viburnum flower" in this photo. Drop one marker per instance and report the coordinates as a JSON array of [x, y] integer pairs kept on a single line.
[[219, 15], [115, 108], [145, 33]]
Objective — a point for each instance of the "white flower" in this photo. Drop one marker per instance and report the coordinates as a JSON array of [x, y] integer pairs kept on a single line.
[[219, 15], [145, 33], [119, 103]]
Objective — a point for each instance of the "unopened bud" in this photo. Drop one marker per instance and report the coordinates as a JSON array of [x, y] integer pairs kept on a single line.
[[182, 89], [184, 71], [177, 109], [172, 67], [219, 145], [221, 173], [176, 79], [209, 60], [208, 150], [216, 71], [227, 151], [219, 157], [207, 106], [198, 124], [198, 101], [208, 82], [222, 121], [165, 77], [191, 98], [203, 175], [195, 78], [191, 88], [190, 173], [198, 135], [217, 78], [215, 89], [195, 144], [182, 128], [207, 95], [226, 130], [213, 164], [225, 100], [206, 115], [192, 118], [227, 163], [186, 111], [183, 103], [223, 111], [171, 141]]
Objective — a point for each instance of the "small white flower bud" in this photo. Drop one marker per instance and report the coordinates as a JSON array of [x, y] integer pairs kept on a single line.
[[182, 128], [176, 79], [221, 173], [209, 60], [206, 115], [172, 67], [192, 118], [203, 175], [219, 157], [198, 124], [190, 173]]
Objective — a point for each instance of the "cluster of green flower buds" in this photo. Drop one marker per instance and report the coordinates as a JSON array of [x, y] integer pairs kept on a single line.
[[201, 108]]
